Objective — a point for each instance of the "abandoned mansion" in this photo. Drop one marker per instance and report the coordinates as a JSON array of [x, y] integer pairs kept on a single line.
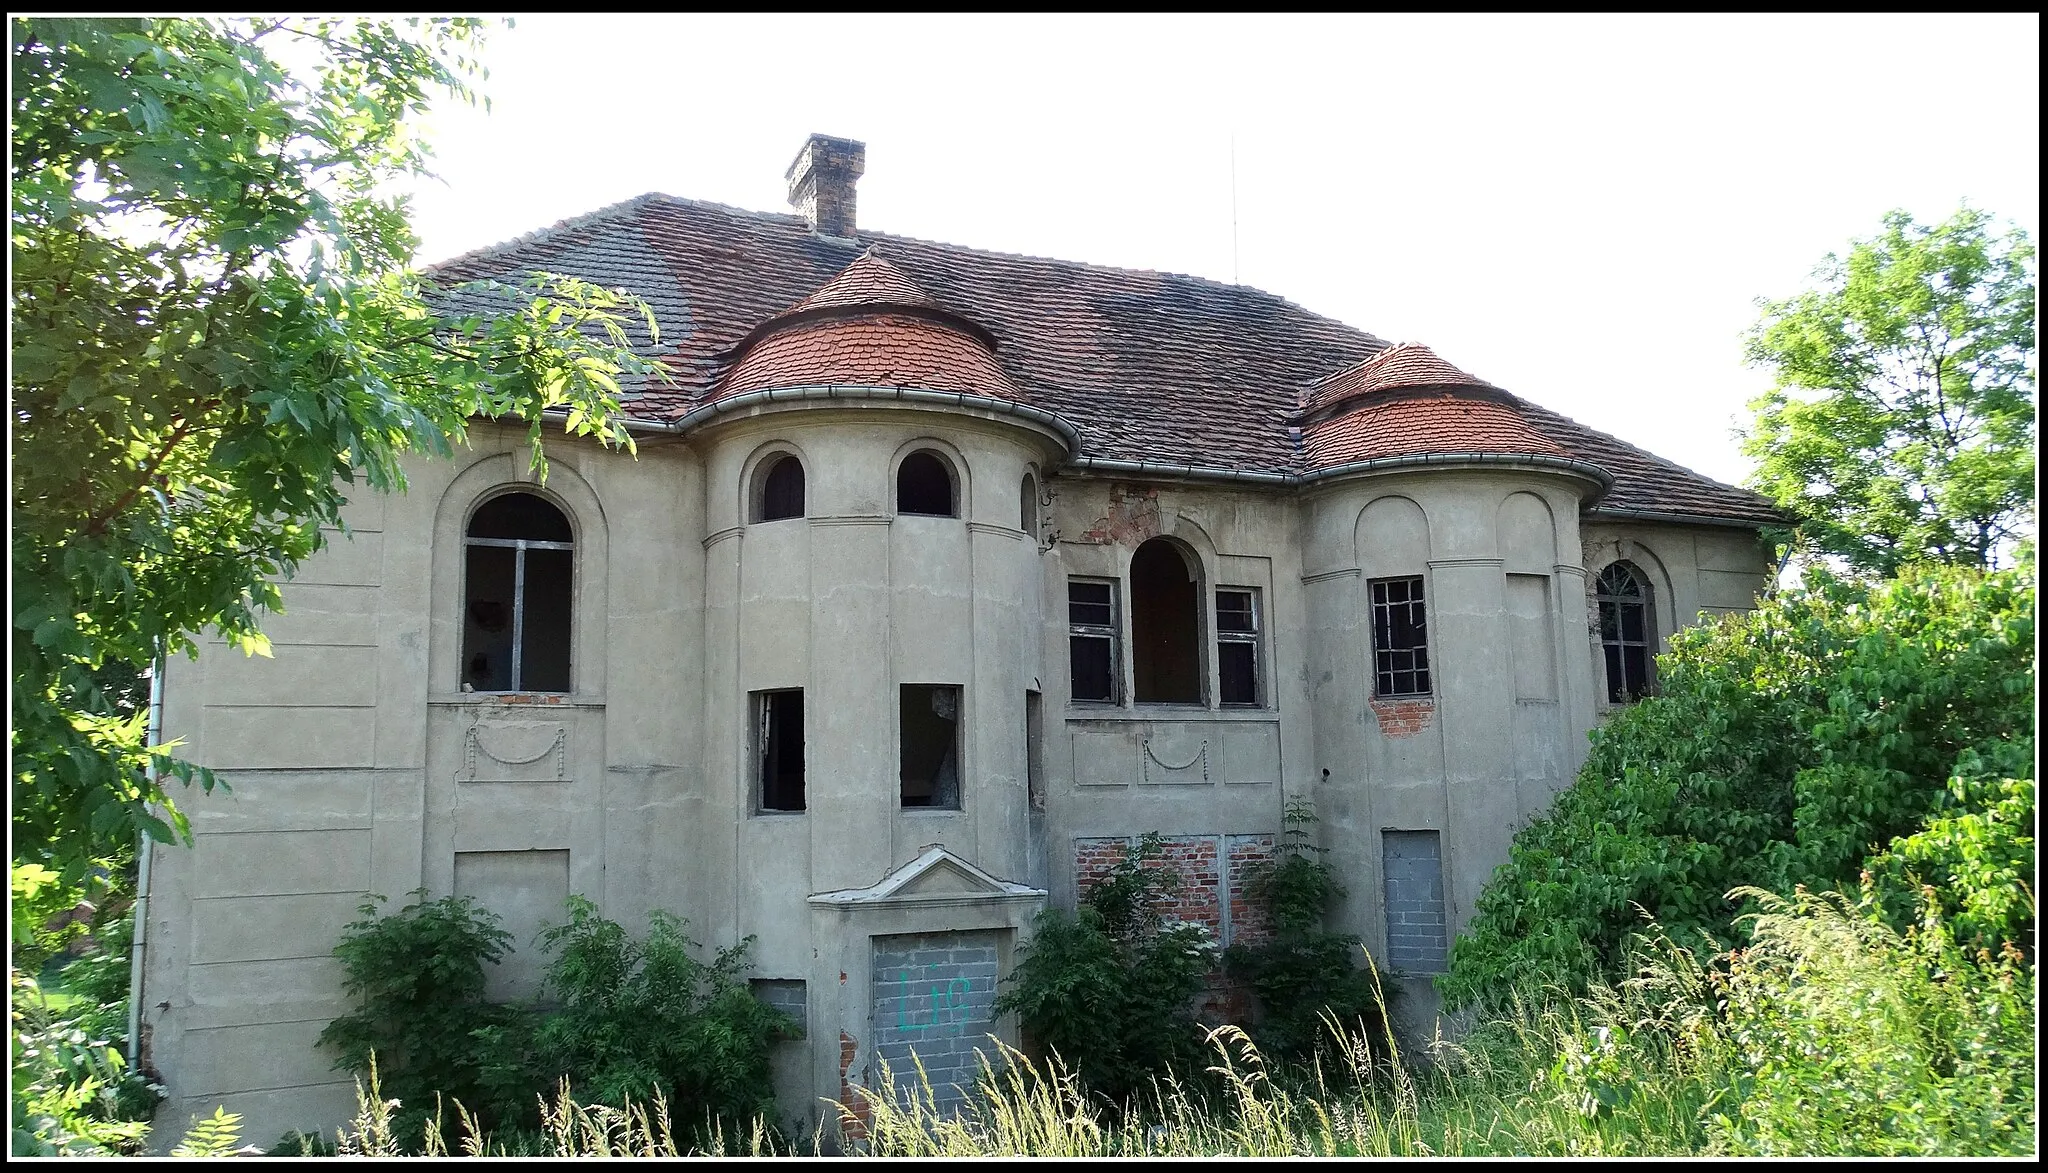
[[939, 576]]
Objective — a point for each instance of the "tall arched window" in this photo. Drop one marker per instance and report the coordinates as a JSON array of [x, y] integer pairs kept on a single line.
[[781, 489], [517, 591], [924, 484], [1027, 507], [1627, 630], [1166, 636]]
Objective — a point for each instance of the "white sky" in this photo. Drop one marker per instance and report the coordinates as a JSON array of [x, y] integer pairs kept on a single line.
[[1581, 209]]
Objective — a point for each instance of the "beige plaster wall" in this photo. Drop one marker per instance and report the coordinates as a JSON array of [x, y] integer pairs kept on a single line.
[[358, 765]]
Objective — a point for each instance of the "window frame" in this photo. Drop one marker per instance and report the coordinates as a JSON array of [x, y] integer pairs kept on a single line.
[[1255, 637], [956, 751], [1112, 632], [764, 471], [519, 547], [953, 485], [760, 712], [1385, 676], [1645, 599]]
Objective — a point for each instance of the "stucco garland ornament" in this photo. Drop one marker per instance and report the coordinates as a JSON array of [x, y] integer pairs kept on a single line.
[[473, 743], [1201, 756]]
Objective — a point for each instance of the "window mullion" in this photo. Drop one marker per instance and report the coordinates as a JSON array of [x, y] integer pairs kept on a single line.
[[518, 609]]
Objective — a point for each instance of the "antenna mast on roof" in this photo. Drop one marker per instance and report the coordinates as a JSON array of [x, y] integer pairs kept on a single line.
[[1233, 207]]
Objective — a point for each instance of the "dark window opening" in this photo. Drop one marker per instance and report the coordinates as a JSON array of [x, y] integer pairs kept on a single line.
[[924, 485], [1626, 632], [782, 490], [1165, 629], [1091, 639], [1034, 748], [1400, 638], [779, 719], [519, 565], [930, 725], [1237, 646], [1027, 507]]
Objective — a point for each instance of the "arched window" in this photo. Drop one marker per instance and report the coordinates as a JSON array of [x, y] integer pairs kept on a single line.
[[517, 590], [1166, 639], [1627, 630], [924, 484], [781, 492], [1027, 507]]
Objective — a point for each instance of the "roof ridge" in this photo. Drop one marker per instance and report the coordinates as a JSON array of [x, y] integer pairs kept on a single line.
[[544, 235]]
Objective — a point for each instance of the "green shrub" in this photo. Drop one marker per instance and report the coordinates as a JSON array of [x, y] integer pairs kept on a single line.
[[641, 1018], [1788, 744], [1111, 989], [1304, 973], [1975, 858], [416, 978], [73, 1093]]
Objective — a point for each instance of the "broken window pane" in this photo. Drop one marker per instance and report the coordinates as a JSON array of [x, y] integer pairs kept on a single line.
[[1092, 626], [517, 597], [1237, 646], [1400, 637], [930, 727], [1626, 631], [780, 740]]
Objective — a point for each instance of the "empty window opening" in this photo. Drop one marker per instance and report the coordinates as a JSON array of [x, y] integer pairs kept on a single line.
[[779, 725], [1166, 659], [1626, 631], [930, 725], [1417, 933], [519, 564], [1237, 646], [1091, 639], [925, 485], [1400, 638], [1027, 507], [782, 489], [1034, 749]]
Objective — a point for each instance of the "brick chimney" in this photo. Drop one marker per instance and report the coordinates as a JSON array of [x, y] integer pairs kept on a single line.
[[821, 183]]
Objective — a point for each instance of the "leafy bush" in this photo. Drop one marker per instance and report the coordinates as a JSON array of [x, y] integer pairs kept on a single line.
[[1111, 988], [1304, 972], [1975, 858], [416, 977], [642, 1018], [1788, 744], [634, 1020], [73, 1093]]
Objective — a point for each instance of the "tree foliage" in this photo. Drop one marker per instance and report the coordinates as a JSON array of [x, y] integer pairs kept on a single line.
[[1902, 423], [1110, 988], [1787, 746], [217, 339]]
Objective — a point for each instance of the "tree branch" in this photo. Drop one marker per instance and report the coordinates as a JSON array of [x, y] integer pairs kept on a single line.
[[99, 521]]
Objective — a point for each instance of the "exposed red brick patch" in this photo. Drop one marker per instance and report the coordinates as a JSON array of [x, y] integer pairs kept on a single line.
[[1404, 716], [1133, 517], [856, 1113], [1249, 924]]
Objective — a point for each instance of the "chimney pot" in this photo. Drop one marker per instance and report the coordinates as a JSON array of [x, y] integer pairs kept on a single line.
[[821, 183]]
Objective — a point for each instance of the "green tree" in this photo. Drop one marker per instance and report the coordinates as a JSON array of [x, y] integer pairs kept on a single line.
[[217, 338], [1902, 424], [1839, 727]]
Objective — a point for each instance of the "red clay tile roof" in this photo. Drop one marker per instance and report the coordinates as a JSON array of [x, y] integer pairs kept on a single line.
[[1417, 423], [869, 280], [1409, 364], [1147, 366], [872, 350]]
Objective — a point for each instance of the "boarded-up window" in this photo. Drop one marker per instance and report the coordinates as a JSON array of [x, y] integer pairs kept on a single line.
[[518, 577], [924, 484], [782, 489], [1416, 936]]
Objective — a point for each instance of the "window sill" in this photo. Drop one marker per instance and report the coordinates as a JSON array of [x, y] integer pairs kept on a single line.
[[1170, 713], [537, 700], [929, 811], [760, 814]]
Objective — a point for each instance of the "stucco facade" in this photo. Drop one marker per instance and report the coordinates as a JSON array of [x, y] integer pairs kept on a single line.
[[362, 758]]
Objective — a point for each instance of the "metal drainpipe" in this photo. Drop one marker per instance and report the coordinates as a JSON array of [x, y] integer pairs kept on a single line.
[[141, 909]]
